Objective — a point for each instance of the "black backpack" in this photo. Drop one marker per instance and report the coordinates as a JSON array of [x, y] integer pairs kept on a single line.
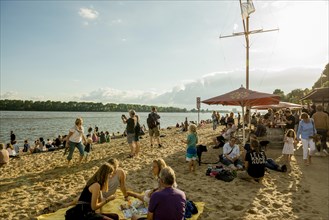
[[138, 129], [225, 175], [151, 122]]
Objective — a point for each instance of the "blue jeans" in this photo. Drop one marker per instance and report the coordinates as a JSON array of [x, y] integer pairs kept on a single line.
[[227, 162], [72, 145]]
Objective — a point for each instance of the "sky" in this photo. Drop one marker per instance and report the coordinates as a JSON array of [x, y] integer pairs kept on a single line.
[[163, 53]]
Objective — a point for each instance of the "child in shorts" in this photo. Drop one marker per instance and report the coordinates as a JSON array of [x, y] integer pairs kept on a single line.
[[191, 152], [88, 147]]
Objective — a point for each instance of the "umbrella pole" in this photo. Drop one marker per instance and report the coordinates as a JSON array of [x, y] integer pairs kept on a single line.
[[243, 128]]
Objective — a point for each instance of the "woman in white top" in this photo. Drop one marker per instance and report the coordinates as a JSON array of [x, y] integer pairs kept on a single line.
[[74, 139]]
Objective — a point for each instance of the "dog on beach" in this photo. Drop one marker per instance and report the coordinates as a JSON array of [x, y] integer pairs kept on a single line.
[[317, 141], [199, 150]]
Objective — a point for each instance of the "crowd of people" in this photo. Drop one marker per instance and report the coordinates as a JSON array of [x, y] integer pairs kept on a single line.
[[165, 200]]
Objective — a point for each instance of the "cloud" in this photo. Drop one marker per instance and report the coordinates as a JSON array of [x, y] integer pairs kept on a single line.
[[88, 13], [184, 94], [109, 95], [9, 95]]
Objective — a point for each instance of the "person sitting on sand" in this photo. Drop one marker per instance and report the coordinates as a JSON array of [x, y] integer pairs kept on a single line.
[[116, 180], [157, 166], [16, 147], [4, 155], [169, 202], [11, 151], [89, 200], [231, 155], [224, 136], [26, 146], [74, 139], [254, 163]]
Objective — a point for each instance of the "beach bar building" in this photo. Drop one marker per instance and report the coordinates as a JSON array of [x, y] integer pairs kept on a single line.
[[319, 96]]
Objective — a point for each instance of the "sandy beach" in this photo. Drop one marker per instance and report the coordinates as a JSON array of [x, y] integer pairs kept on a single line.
[[40, 183]]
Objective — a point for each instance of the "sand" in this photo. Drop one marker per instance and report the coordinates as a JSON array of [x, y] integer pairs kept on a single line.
[[41, 183]]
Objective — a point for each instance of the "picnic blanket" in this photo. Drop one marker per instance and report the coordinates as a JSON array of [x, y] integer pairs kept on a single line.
[[111, 207]]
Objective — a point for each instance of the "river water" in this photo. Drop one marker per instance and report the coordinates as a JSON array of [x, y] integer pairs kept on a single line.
[[32, 125]]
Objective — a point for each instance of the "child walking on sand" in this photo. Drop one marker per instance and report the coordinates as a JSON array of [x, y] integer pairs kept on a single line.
[[88, 147], [191, 153], [288, 147]]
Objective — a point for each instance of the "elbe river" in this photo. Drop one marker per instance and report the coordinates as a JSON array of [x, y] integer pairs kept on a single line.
[[32, 125]]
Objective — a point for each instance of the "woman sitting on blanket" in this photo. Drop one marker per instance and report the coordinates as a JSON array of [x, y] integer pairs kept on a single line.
[[116, 180], [156, 168], [89, 200]]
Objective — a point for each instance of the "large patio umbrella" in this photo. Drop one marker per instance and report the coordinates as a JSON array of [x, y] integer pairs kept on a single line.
[[279, 106], [243, 97]]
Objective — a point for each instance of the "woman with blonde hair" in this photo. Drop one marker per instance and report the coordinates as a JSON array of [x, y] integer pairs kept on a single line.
[[191, 152], [157, 166], [89, 200], [306, 130], [75, 138]]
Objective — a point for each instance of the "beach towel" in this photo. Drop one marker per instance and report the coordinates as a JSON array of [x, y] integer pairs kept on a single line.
[[113, 207]]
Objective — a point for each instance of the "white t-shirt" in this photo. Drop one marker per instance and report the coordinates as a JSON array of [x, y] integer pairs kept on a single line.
[[227, 149], [76, 137]]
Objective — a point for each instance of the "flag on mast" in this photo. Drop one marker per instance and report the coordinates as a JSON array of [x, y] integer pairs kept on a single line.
[[247, 9]]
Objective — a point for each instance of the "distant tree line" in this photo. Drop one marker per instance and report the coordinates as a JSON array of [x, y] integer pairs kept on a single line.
[[27, 105], [295, 95]]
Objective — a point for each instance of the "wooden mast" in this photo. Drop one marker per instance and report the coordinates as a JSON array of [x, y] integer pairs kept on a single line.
[[246, 33]]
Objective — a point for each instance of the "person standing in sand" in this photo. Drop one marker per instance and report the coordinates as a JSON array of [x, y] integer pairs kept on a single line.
[[12, 137], [306, 130], [74, 139], [89, 200], [288, 147], [130, 129], [321, 122], [191, 152], [137, 134], [153, 125]]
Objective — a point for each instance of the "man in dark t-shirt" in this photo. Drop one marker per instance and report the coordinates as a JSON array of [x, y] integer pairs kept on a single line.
[[254, 163], [290, 120]]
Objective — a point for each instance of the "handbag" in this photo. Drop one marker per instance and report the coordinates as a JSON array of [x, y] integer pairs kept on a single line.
[[221, 156]]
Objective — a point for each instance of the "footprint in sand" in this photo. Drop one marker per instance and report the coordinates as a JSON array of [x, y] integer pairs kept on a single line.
[[264, 202], [237, 207], [277, 205]]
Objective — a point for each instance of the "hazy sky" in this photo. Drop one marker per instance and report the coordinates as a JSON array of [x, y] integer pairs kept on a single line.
[[156, 52]]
